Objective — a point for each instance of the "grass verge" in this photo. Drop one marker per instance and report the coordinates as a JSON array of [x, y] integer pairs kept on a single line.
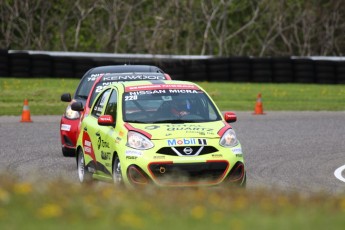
[[63, 205], [44, 96]]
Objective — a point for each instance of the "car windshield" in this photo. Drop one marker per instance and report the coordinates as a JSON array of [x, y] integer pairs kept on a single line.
[[108, 78], [85, 86], [168, 106]]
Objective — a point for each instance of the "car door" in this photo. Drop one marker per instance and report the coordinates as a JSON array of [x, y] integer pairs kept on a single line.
[[91, 134], [106, 136]]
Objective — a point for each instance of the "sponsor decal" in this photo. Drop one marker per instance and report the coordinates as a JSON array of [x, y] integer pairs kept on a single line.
[[160, 86], [117, 140], [87, 146], [133, 77], [131, 157], [105, 155], [87, 143], [106, 118], [202, 141], [65, 127], [133, 153], [152, 127], [88, 149], [102, 143], [237, 150], [182, 91], [146, 92], [217, 155], [161, 91], [190, 128], [186, 141], [158, 157], [121, 134], [93, 77]]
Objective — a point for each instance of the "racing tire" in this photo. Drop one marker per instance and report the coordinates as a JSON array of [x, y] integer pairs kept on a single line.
[[117, 175], [83, 175]]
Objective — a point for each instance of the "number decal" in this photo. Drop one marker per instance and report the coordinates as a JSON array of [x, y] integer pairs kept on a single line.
[[131, 98]]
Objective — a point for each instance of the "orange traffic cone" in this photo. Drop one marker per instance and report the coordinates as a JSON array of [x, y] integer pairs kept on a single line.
[[258, 106], [26, 112]]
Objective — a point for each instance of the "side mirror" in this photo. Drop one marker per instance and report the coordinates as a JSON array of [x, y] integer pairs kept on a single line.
[[66, 97], [230, 117], [77, 106], [106, 120]]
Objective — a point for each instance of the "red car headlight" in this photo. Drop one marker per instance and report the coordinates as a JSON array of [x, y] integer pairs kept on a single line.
[[71, 114]]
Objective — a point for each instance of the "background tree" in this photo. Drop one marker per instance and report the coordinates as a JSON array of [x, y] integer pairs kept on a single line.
[[195, 27]]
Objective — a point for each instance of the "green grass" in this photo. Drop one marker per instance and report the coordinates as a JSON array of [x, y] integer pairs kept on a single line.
[[44, 96], [64, 205], [277, 97]]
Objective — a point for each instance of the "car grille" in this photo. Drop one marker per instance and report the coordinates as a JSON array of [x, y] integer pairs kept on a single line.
[[187, 150], [168, 173]]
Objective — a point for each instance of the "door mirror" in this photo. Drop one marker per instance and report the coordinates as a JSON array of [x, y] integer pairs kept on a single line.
[[230, 117], [106, 120], [66, 97], [77, 106]]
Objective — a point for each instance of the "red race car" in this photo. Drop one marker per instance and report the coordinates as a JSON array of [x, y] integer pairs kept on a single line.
[[90, 85]]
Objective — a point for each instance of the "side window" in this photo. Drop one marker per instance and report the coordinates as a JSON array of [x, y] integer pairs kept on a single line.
[[212, 112], [100, 103], [112, 105]]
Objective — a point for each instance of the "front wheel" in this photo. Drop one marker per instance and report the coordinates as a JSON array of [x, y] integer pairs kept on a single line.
[[83, 175], [117, 175]]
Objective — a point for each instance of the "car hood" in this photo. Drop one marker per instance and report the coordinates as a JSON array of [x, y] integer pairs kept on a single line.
[[185, 130]]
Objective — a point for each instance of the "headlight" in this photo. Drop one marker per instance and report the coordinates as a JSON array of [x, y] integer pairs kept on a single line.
[[229, 139], [138, 141], [71, 114]]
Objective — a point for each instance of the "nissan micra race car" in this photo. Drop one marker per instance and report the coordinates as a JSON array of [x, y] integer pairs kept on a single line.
[[166, 133], [70, 120]]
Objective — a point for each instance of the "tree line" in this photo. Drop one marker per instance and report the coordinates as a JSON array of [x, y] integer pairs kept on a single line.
[[177, 27]]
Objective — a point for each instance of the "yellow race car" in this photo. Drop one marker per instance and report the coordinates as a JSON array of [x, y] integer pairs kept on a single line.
[[165, 133]]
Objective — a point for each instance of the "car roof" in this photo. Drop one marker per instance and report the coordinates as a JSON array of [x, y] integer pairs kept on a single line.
[[125, 69], [135, 76], [91, 75], [161, 84]]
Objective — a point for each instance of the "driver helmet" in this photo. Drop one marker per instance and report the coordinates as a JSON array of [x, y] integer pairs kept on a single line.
[[183, 105]]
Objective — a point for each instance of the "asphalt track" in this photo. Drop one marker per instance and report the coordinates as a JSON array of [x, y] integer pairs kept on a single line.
[[293, 151]]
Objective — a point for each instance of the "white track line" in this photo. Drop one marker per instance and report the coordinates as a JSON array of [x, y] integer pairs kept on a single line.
[[337, 173]]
